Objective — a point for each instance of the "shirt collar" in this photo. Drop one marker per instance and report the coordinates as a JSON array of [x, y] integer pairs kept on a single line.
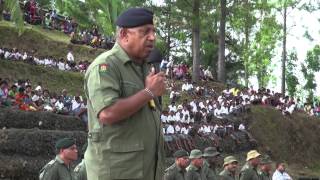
[[59, 159], [120, 53]]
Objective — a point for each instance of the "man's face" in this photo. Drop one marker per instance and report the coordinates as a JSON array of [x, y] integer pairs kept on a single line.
[[281, 167], [266, 167], [140, 41], [183, 162], [255, 161], [70, 153], [198, 162], [232, 167]]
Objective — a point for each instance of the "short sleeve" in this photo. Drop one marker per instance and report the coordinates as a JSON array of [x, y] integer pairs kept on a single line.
[[103, 87]]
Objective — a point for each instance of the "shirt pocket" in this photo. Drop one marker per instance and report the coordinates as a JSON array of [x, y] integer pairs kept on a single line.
[[126, 160], [130, 88]]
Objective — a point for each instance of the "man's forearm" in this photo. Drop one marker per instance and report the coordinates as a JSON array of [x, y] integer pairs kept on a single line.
[[124, 108]]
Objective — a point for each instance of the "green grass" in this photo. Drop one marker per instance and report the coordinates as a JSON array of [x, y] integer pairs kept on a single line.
[[294, 139], [44, 42], [52, 79]]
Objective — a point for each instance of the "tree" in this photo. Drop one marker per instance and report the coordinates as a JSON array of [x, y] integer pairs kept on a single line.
[[291, 78], [311, 66], [196, 41], [102, 13], [222, 31], [285, 4], [263, 48], [16, 14]]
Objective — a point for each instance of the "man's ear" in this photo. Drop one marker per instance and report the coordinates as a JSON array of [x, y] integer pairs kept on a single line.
[[123, 33]]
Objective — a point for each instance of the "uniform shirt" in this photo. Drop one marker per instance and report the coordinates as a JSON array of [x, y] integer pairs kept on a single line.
[[208, 172], [170, 129], [80, 172], [277, 175], [175, 173], [56, 170], [226, 175], [248, 172], [132, 148], [264, 175], [193, 173]]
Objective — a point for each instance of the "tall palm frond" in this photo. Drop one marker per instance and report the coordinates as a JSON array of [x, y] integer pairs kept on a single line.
[[16, 14]]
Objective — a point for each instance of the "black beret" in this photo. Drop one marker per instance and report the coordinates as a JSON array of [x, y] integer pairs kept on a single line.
[[134, 17], [180, 153], [65, 143]]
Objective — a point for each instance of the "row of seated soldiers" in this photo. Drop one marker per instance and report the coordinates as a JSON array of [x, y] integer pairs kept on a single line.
[[233, 140], [204, 166]]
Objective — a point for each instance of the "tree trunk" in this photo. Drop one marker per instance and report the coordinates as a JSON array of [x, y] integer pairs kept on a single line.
[[246, 52], [196, 41], [284, 53], [168, 26], [221, 58]]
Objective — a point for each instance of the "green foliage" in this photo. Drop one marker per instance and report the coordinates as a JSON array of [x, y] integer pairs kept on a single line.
[[291, 78], [16, 14], [263, 49], [100, 13], [309, 68]]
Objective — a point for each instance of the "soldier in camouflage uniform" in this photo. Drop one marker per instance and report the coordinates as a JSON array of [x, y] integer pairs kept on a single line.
[[249, 171], [230, 166], [177, 171], [194, 169], [210, 163], [59, 168], [265, 169]]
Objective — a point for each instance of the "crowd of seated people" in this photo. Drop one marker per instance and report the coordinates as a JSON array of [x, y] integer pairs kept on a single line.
[[25, 96], [68, 64], [50, 19]]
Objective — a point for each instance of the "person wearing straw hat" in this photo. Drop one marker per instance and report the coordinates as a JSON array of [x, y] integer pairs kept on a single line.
[[177, 171], [249, 170], [265, 168], [210, 162], [230, 166], [194, 169]]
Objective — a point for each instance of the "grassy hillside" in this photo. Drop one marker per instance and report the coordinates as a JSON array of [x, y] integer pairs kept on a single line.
[[294, 139], [44, 42], [52, 79]]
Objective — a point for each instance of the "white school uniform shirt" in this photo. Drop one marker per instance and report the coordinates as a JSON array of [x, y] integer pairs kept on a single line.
[[170, 129], [277, 175]]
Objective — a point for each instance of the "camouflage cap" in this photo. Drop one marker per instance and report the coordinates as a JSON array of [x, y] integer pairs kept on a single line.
[[228, 160], [252, 154], [210, 152], [180, 153], [265, 160], [196, 153]]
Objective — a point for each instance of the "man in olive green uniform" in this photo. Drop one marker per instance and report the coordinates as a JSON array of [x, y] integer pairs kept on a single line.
[[125, 139], [230, 166], [211, 160], [177, 171], [59, 168], [194, 169], [80, 172], [265, 168], [249, 170]]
